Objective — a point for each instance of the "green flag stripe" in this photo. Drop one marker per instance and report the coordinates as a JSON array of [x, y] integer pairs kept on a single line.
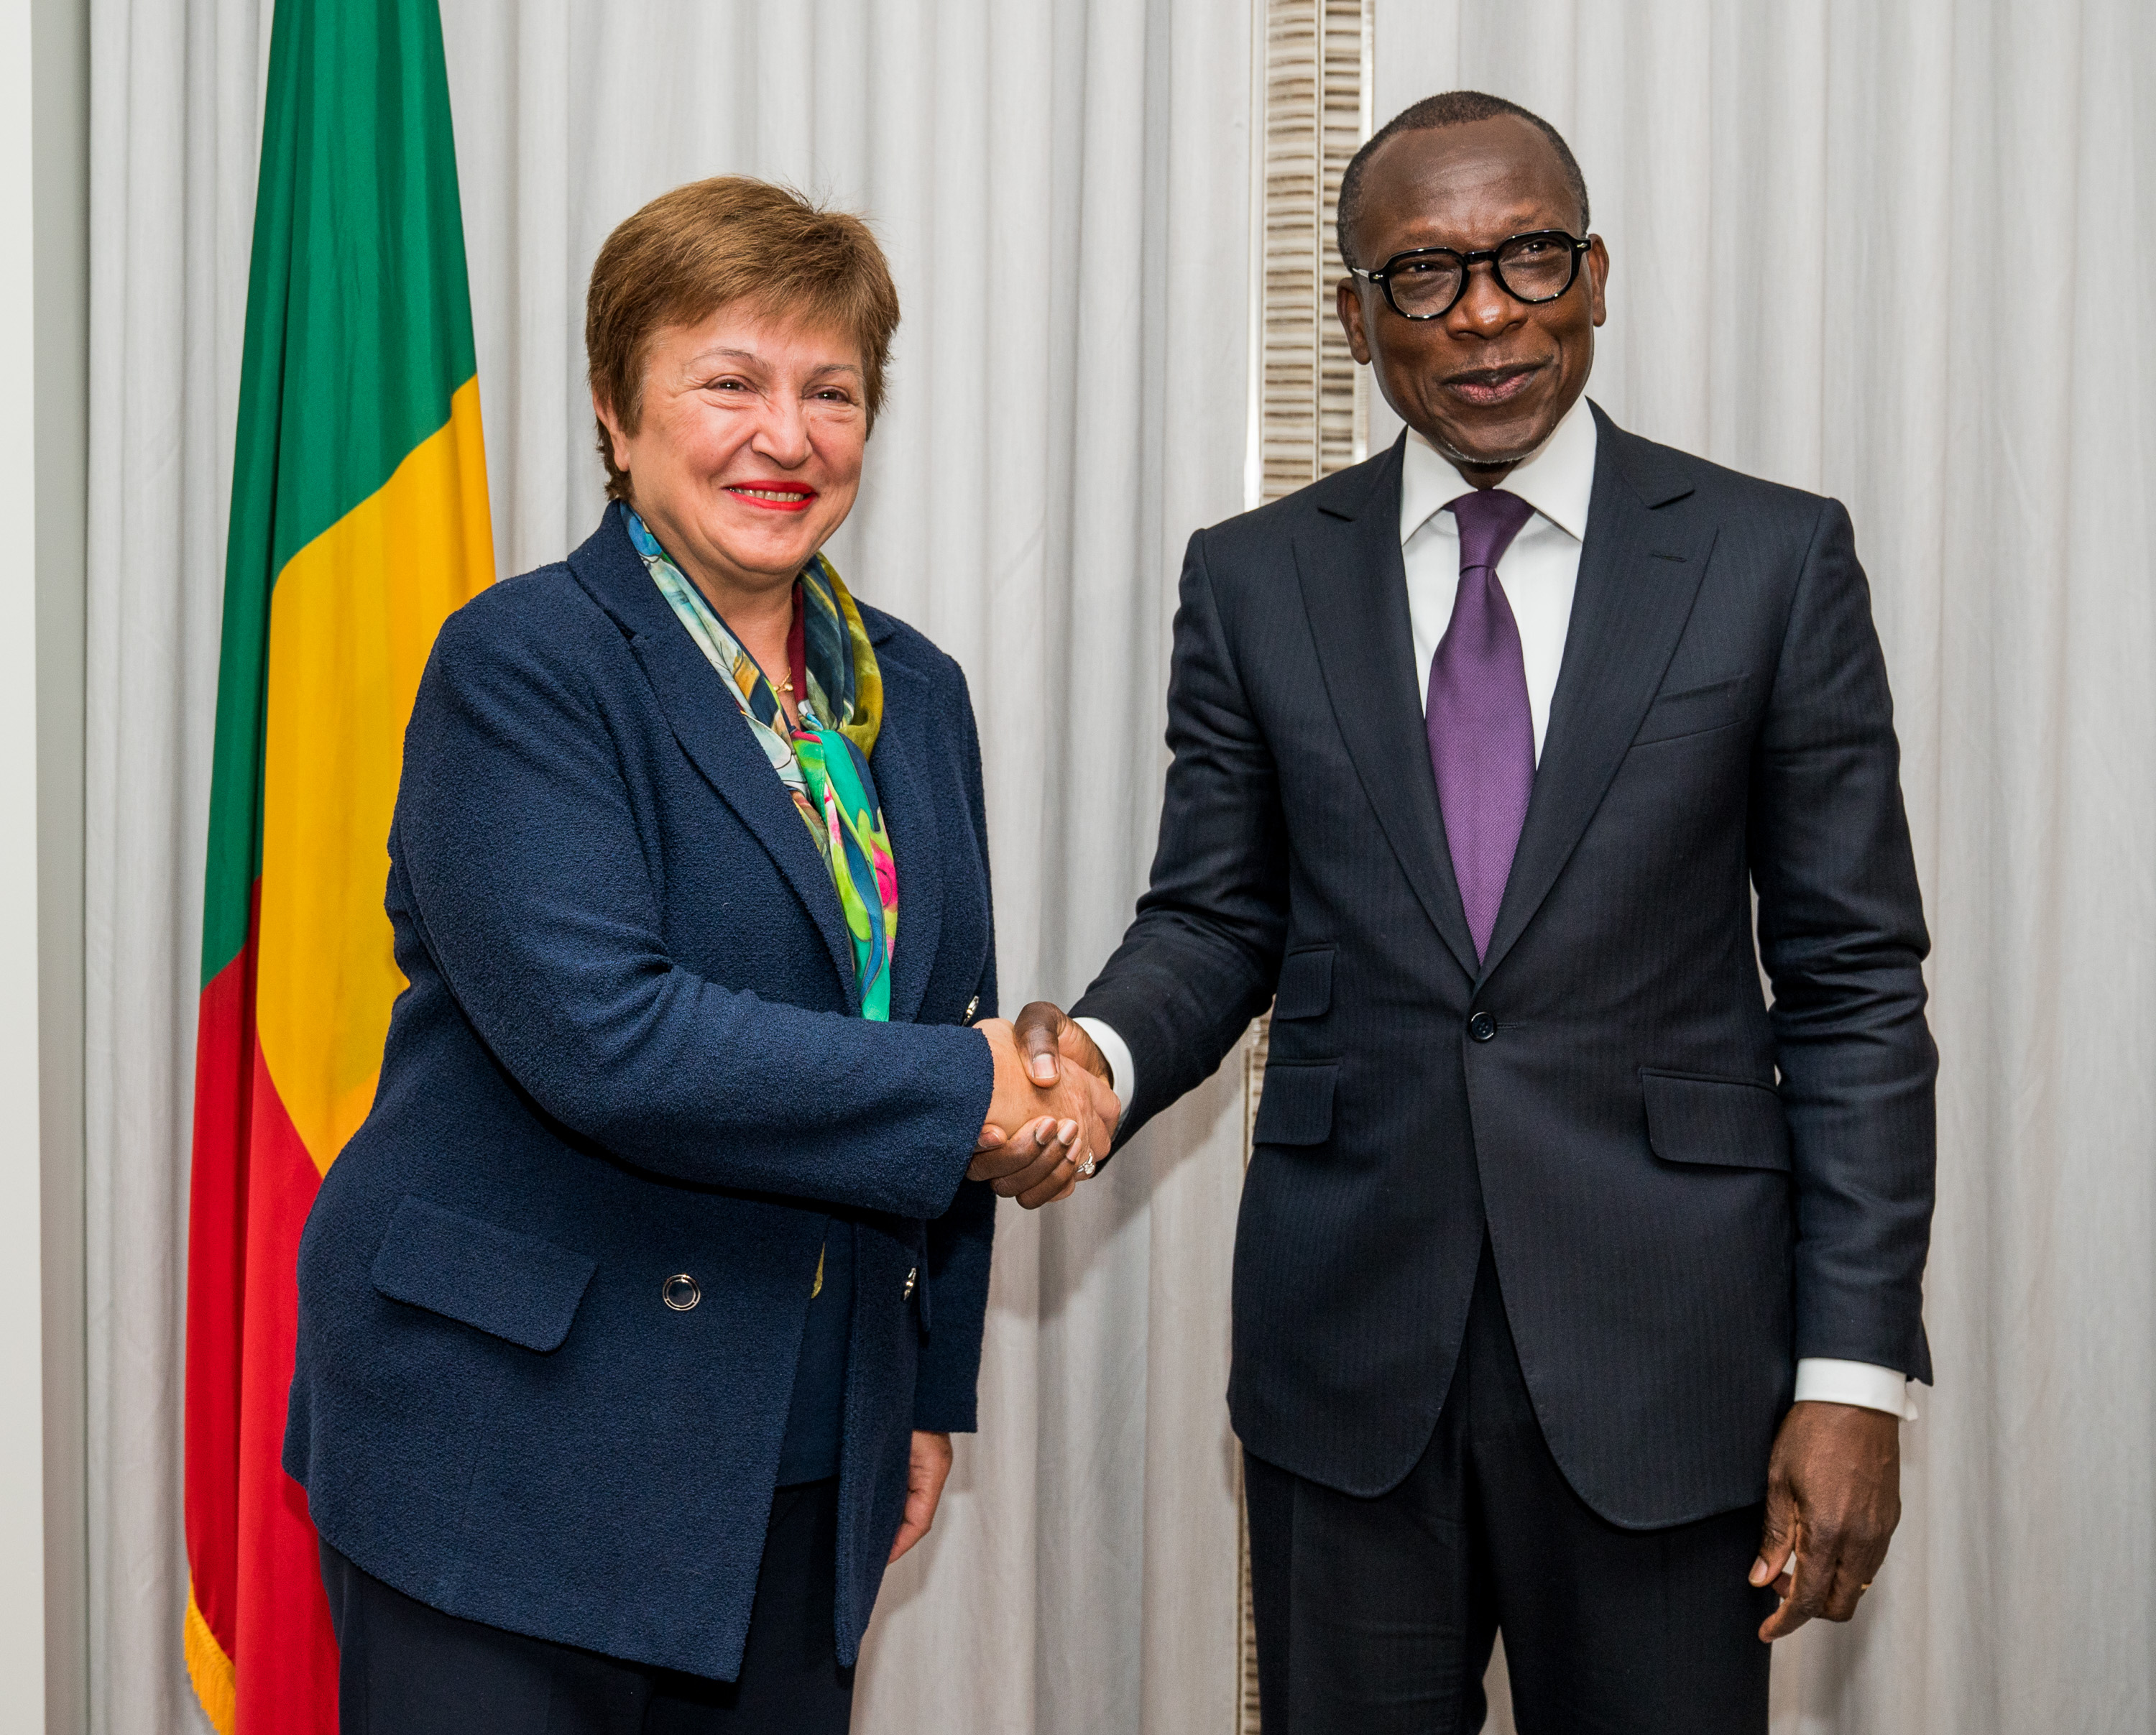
[[358, 333]]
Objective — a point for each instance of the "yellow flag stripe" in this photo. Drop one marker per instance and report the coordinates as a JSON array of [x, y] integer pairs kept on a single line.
[[352, 620]]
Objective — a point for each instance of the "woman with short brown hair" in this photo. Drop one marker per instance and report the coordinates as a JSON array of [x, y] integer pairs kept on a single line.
[[635, 1322]]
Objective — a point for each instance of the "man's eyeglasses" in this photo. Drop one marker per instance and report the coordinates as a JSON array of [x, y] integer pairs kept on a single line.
[[1427, 282]]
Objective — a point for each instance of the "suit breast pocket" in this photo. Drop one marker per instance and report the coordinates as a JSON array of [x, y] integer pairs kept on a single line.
[[509, 1285], [1694, 710]]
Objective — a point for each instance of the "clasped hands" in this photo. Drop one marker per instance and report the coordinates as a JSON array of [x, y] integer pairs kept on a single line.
[[1049, 1124]]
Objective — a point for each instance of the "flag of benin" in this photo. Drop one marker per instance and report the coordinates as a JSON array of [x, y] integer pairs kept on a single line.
[[359, 521]]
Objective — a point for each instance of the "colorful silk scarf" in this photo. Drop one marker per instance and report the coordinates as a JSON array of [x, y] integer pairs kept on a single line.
[[825, 763]]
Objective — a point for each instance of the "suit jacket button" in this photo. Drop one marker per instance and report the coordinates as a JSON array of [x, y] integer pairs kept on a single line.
[[680, 1292], [912, 1277], [1481, 1027], [973, 1006]]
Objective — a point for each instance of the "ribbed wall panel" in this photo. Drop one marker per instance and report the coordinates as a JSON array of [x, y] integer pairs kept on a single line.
[[1313, 403]]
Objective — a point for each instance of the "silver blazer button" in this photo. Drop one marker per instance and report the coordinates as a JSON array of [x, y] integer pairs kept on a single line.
[[680, 1292], [912, 1277], [973, 1006]]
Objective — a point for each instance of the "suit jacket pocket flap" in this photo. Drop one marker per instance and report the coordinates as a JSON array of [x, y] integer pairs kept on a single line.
[[1725, 1122], [1296, 1106], [1693, 712], [1305, 985], [514, 1286]]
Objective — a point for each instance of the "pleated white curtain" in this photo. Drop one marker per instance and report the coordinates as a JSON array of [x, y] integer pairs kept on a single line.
[[1901, 253], [1906, 254], [175, 131], [1063, 188]]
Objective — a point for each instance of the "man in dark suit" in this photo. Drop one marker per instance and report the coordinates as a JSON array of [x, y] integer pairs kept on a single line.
[[1576, 1285]]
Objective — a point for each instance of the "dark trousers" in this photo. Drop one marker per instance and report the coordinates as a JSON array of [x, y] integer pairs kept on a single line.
[[1377, 1615], [407, 1669]]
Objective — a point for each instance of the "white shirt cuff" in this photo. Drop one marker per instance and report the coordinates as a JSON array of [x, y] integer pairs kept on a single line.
[[1821, 1379], [1122, 1075]]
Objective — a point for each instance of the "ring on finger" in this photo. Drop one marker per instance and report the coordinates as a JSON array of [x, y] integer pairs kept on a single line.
[[1086, 1165]]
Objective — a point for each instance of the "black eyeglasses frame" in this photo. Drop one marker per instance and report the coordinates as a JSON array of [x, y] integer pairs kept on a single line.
[[1383, 276]]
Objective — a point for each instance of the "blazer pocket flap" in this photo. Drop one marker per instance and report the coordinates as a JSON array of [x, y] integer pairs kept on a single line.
[[1295, 1106], [511, 1285], [1725, 1122], [1305, 985], [1693, 712]]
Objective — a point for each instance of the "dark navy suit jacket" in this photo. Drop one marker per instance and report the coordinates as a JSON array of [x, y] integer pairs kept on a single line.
[[626, 1055], [1685, 1189]]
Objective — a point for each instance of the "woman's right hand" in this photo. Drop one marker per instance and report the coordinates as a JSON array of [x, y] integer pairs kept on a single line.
[[1036, 1138]]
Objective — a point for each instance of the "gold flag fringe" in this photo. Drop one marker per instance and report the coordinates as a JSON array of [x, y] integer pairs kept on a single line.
[[208, 1668]]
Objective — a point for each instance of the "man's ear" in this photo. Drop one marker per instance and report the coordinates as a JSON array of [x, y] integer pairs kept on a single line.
[[1348, 302], [1598, 275]]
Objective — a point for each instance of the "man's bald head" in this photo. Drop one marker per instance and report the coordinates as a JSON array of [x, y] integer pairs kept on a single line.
[[1450, 108]]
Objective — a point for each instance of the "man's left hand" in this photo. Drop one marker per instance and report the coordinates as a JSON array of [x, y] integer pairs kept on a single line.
[[1834, 1496]]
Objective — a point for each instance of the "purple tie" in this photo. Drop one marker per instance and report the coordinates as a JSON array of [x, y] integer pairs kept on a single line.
[[1481, 733]]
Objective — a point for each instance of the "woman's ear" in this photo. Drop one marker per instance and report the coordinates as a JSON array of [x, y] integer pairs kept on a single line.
[[617, 441]]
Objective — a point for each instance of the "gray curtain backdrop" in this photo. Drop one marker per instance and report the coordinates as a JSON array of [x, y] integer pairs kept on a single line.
[[1063, 188], [1900, 253]]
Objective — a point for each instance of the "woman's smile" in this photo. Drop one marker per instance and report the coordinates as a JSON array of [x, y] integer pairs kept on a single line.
[[774, 496]]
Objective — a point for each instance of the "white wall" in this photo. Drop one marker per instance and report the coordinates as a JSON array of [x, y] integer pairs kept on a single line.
[[60, 114], [44, 290], [22, 1407]]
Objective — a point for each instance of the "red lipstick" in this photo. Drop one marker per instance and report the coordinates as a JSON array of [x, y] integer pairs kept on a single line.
[[779, 496]]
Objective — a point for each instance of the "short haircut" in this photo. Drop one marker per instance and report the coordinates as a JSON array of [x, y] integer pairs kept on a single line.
[[713, 244], [1452, 108]]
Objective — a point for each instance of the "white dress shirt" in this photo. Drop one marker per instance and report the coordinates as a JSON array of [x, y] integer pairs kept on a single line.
[[1538, 572]]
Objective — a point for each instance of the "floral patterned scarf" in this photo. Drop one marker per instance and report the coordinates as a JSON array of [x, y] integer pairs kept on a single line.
[[824, 761]]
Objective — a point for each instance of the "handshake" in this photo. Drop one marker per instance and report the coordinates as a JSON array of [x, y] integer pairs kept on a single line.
[[1053, 1117]]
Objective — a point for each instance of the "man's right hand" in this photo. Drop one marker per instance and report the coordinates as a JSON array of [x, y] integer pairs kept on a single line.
[[1040, 1134]]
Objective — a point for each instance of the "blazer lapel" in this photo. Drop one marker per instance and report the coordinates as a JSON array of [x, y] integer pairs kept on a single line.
[[910, 816], [1355, 593], [709, 724], [1639, 574]]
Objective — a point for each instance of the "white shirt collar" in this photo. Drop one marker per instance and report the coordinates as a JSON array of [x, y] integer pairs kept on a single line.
[[1557, 481]]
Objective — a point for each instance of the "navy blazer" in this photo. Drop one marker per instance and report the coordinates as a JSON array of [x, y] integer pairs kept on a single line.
[[1685, 1189], [627, 1053]]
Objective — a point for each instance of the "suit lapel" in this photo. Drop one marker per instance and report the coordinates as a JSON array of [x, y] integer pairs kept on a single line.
[[1639, 573], [1355, 593], [711, 728], [910, 817]]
